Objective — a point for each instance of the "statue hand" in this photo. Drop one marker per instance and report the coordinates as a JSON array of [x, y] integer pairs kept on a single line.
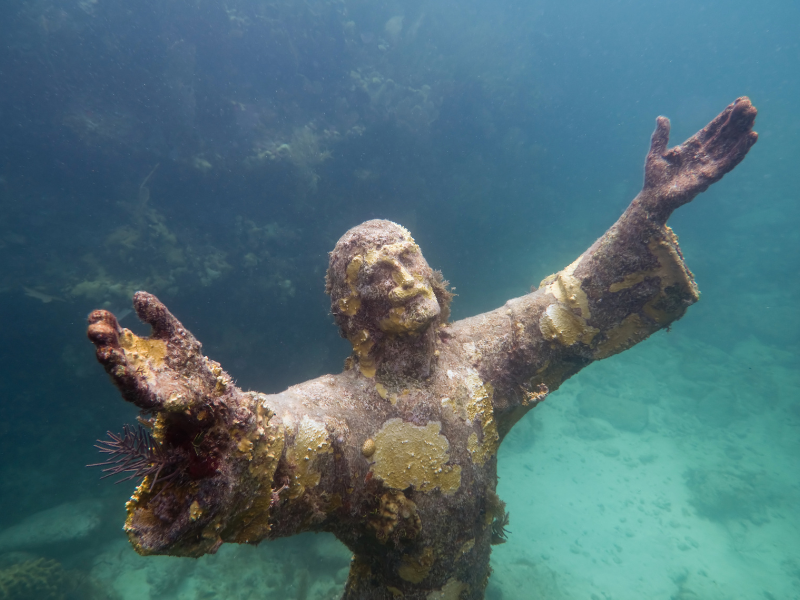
[[166, 371], [198, 477], [675, 176]]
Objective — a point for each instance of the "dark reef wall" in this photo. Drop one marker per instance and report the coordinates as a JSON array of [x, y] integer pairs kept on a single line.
[[189, 147]]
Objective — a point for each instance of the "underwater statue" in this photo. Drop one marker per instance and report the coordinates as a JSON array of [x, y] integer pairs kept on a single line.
[[397, 455]]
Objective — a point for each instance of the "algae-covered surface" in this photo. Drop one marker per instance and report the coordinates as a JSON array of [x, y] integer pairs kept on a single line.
[[212, 154]]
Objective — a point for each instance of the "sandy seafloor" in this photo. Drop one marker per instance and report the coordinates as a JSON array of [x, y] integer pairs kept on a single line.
[[669, 472], [702, 503]]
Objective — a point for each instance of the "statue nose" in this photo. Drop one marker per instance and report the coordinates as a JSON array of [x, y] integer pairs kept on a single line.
[[404, 278]]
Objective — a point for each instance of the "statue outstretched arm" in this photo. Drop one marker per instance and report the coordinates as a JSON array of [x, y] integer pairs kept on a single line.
[[219, 464], [200, 427], [629, 284]]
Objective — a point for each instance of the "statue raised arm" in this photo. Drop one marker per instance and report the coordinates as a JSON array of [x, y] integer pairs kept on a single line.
[[396, 456]]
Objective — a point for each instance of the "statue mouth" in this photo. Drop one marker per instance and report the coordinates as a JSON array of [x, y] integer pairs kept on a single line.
[[411, 317]]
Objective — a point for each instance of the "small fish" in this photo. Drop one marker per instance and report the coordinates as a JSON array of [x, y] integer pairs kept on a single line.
[[120, 313], [45, 298]]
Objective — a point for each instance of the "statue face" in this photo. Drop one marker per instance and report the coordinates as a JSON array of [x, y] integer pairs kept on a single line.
[[386, 285], [398, 279], [381, 287]]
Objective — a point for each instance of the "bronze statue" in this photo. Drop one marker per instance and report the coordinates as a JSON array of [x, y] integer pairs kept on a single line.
[[396, 456]]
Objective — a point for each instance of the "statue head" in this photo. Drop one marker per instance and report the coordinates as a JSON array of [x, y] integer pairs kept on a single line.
[[381, 288]]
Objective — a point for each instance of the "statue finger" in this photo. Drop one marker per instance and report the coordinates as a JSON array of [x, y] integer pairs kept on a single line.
[[660, 138], [732, 126], [104, 332], [153, 312]]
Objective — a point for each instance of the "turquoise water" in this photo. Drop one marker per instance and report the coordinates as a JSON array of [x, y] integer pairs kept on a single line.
[[212, 153]]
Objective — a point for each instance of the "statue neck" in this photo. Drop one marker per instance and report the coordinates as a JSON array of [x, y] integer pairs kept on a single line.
[[410, 356]]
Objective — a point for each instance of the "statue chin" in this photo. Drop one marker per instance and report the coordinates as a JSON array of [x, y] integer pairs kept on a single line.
[[412, 318]]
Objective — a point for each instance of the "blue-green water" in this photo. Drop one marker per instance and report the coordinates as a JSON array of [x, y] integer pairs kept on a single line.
[[213, 152]]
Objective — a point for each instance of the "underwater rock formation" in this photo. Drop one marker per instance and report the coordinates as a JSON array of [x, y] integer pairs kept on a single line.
[[397, 455], [67, 522]]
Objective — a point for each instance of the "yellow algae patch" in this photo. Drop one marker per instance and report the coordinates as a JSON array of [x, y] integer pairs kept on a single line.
[[629, 280], [629, 332], [245, 446], [177, 402], [359, 571], [311, 441], [397, 321], [222, 378], [382, 391], [466, 547], [367, 367], [397, 516], [559, 323], [349, 305], [479, 407], [267, 451], [408, 286], [447, 402], [405, 319], [451, 591], [160, 427], [141, 351], [352, 271], [458, 402], [479, 453], [352, 303], [564, 286], [267, 442], [195, 512], [389, 252], [671, 271], [399, 274], [416, 568], [362, 344], [368, 448], [406, 454]]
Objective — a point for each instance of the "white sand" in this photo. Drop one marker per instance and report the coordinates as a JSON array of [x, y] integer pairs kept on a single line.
[[613, 518]]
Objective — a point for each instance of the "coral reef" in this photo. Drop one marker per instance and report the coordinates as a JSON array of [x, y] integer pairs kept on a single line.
[[148, 252], [331, 74], [46, 579], [42, 579], [396, 456]]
